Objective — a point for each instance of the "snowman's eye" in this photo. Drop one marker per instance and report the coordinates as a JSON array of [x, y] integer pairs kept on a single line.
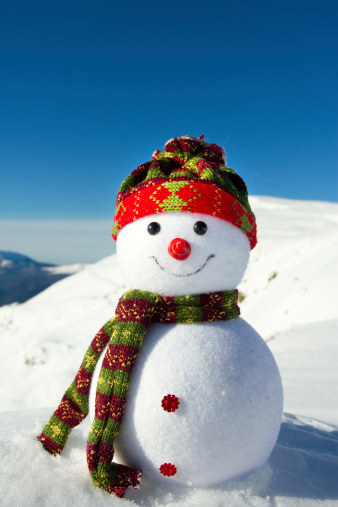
[[154, 228], [200, 227]]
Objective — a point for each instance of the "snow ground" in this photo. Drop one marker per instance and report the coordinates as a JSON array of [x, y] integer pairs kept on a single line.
[[289, 294], [301, 471]]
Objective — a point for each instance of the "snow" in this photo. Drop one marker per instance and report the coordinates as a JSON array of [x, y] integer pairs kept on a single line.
[[293, 271], [290, 299], [307, 356], [301, 471]]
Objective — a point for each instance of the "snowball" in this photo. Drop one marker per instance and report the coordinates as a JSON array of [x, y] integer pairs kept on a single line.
[[230, 408]]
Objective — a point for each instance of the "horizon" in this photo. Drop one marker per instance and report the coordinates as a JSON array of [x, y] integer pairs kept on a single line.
[[72, 241]]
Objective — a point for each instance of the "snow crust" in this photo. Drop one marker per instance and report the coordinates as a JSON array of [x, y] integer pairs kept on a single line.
[[302, 471], [289, 295]]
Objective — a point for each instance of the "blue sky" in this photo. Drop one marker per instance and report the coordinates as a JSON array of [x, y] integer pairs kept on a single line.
[[90, 88]]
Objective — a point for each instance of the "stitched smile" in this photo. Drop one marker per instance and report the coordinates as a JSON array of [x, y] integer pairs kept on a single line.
[[188, 274]]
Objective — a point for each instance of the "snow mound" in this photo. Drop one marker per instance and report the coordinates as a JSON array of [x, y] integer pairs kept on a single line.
[[301, 471], [307, 356], [293, 271]]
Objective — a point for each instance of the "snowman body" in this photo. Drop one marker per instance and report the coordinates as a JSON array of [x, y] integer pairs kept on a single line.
[[222, 373]]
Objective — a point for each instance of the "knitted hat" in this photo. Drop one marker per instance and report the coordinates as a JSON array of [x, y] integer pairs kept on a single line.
[[190, 175]]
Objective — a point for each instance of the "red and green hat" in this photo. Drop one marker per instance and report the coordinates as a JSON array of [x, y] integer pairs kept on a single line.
[[189, 175]]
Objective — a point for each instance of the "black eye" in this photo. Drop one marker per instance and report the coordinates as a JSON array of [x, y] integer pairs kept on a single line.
[[200, 227], [154, 228]]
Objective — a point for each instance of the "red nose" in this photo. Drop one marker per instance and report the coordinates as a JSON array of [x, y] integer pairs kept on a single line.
[[179, 249]]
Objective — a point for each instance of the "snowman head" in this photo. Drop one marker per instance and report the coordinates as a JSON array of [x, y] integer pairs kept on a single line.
[[183, 223], [177, 253]]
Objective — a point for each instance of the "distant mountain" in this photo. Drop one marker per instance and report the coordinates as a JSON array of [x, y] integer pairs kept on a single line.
[[22, 277]]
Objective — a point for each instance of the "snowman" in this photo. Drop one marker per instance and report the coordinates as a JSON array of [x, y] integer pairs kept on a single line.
[[196, 398]]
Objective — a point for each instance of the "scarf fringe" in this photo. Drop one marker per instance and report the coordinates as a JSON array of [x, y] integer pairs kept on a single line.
[[116, 478]]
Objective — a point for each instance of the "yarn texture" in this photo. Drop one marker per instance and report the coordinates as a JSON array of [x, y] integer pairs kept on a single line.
[[191, 176], [124, 333]]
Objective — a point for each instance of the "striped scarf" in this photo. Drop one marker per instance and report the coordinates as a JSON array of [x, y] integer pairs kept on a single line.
[[125, 332]]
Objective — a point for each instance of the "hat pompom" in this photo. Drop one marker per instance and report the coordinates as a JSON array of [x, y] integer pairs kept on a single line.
[[186, 144], [191, 147]]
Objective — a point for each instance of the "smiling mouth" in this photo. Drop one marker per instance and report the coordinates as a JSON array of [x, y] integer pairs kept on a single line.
[[188, 274]]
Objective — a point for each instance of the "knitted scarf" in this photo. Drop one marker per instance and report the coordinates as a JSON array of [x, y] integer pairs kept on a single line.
[[125, 332]]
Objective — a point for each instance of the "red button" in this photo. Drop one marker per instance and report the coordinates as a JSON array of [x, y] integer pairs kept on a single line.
[[170, 403], [168, 469]]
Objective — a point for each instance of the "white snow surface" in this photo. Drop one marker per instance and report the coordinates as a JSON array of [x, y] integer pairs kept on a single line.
[[302, 471], [290, 299]]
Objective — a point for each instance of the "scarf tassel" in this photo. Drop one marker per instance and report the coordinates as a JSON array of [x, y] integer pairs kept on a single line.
[[115, 478]]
